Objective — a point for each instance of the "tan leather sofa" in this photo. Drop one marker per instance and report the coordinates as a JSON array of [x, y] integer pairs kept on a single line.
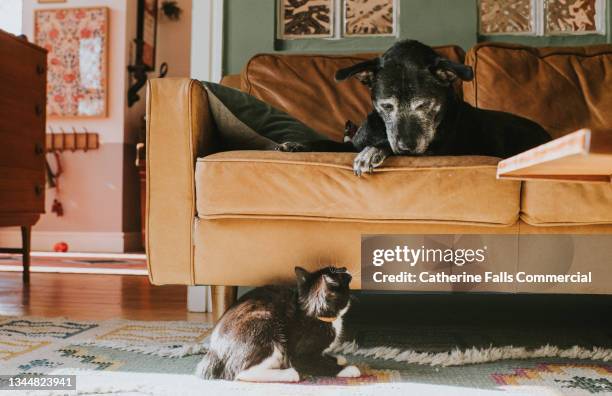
[[248, 217]]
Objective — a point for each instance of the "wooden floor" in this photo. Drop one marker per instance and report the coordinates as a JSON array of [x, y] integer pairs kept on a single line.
[[99, 297], [93, 297]]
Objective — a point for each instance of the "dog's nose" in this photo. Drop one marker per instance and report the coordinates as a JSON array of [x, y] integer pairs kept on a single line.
[[406, 147]]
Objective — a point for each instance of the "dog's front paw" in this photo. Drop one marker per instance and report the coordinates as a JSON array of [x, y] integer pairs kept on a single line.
[[349, 372], [290, 147], [368, 159]]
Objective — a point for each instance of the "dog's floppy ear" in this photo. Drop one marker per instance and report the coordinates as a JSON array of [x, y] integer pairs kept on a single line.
[[449, 71], [363, 71]]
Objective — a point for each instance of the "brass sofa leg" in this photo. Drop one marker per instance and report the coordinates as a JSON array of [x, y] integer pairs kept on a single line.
[[222, 298]]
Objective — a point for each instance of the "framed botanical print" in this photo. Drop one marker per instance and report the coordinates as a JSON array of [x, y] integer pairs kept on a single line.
[[300, 19], [77, 43]]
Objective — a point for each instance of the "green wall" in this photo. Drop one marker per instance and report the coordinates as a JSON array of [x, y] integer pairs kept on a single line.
[[250, 28]]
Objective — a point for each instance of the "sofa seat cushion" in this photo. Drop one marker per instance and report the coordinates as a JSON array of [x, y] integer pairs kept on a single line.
[[547, 203], [268, 184]]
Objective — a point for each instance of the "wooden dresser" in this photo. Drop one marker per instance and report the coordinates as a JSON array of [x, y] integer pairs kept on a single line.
[[23, 80]]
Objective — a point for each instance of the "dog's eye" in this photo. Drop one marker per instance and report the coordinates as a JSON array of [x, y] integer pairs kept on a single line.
[[426, 105], [387, 107]]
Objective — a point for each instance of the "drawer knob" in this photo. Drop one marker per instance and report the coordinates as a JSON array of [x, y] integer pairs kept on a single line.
[[38, 190], [38, 109], [40, 69], [38, 149]]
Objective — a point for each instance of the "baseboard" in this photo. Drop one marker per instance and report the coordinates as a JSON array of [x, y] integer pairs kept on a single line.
[[101, 242]]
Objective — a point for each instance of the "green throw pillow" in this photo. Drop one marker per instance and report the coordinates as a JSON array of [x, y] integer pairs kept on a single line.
[[248, 123]]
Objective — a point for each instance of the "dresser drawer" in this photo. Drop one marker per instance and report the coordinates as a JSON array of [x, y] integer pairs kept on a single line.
[[22, 113], [22, 191], [19, 152], [23, 65], [23, 80]]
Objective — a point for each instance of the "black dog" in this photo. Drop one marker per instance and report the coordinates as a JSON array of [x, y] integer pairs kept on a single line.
[[417, 112]]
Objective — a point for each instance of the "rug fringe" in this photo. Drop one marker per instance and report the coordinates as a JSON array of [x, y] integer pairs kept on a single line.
[[166, 350], [473, 355], [455, 357]]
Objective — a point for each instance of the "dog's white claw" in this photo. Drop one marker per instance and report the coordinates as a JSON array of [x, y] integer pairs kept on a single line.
[[368, 159], [290, 147], [349, 372], [341, 360]]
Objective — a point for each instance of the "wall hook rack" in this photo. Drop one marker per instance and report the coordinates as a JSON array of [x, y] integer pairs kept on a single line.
[[73, 141]]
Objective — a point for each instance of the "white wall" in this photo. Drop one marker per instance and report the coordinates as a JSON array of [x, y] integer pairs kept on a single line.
[[207, 40], [10, 16]]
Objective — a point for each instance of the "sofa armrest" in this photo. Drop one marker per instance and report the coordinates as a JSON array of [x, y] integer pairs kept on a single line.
[[179, 129]]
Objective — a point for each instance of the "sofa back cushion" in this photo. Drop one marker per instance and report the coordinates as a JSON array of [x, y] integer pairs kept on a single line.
[[563, 89], [304, 87], [231, 80]]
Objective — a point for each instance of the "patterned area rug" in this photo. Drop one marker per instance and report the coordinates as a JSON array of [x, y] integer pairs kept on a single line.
[[121, 356]]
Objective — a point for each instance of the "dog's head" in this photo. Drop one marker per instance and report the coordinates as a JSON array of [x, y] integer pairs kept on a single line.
[[410, 85]]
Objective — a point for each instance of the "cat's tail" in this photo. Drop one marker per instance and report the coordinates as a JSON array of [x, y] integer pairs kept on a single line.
[[211, 366]]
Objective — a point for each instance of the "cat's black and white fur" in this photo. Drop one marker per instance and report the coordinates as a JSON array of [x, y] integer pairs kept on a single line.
[[279, 334]]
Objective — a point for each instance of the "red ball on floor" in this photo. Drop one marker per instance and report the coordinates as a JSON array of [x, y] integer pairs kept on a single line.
[[60, 247]]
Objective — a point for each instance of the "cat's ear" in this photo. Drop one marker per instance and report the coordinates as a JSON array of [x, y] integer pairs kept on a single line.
[[346, 278], [301, 275]]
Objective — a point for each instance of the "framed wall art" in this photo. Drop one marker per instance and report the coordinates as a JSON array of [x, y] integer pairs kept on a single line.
[[77, 41], [336, 19], [299, 19], [542, 17], [507, 16], [370, 17], [147, 31], [575, 16]]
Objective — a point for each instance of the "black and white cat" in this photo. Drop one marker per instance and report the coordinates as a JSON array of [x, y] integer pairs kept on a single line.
[[278, 333]]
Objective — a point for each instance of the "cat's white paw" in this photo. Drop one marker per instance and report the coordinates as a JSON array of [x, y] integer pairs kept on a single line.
[[349, 372], [258, 374], [341, 360], [290, 375]]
